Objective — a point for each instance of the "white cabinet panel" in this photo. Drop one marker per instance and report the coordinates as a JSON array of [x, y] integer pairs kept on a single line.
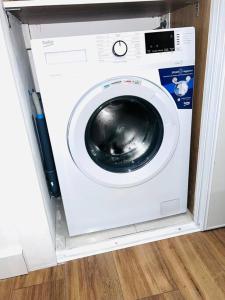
[[23, 220], [216, 211]]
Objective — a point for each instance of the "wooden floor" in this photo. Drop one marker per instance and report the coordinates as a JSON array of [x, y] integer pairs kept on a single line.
[[187, 267]]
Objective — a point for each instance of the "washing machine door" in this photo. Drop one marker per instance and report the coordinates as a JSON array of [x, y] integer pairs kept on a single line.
[[123, 132]]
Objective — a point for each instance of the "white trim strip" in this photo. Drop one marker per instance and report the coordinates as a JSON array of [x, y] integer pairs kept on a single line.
[[125, 242]]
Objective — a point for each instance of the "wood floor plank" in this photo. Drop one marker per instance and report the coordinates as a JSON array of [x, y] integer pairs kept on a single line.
[[52, 290], [211, 251], [142, 272], [187, 267], [93, 278], [174, 295], [220, 234], [6, 288], [197, 269], [40, 276], [178, 270], [220, 280]]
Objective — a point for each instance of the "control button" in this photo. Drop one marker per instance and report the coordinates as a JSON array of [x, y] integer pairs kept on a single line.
[[119, 48]]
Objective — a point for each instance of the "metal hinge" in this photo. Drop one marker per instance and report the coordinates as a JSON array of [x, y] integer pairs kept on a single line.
[[163, 23], [197, 8], [8, 18], [7, 12]]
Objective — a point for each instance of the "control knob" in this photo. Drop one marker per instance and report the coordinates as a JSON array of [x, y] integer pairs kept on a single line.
[[119, 48]]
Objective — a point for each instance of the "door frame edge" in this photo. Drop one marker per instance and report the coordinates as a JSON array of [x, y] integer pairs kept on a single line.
[[213, 90]]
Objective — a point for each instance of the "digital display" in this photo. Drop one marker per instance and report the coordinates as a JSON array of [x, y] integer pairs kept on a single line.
[[159, 42]]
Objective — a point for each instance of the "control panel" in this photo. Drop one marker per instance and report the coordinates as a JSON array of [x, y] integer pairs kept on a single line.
[[154, 47], [131, 46]]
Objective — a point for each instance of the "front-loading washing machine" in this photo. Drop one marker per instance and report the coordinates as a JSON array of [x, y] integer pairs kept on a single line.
[[118, 108]]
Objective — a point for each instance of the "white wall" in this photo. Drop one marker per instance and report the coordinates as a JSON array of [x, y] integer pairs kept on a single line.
[[23, 218]]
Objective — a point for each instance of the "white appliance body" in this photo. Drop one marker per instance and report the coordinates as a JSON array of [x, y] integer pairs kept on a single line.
[[82, 80]]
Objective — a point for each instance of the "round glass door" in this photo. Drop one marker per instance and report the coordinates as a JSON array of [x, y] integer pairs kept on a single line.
[[123, 134], [123, 131]]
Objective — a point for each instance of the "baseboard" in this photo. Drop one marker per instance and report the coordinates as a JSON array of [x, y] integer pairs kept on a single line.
[[12, 262], [125, 242]]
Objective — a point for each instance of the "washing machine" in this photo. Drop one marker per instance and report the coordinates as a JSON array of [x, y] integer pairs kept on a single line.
[[119, 108]]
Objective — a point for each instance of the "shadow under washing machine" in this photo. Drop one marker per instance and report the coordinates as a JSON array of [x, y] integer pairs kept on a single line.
[[119, 109]]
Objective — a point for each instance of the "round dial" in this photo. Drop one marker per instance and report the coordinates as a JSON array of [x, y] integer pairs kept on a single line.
[[119, 48]]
